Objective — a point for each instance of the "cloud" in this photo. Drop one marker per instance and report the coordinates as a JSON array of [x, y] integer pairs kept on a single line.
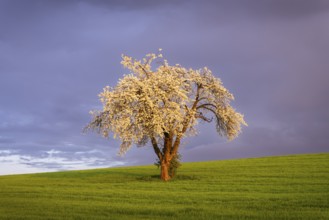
[[14, 162]]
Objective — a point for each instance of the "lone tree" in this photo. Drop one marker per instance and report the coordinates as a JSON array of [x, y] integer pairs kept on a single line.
[[161, 106]]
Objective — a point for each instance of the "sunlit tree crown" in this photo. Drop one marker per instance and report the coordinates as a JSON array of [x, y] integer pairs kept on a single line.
[[152, 102]]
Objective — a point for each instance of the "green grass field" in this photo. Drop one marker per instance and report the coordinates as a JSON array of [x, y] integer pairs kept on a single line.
[[286, 187]]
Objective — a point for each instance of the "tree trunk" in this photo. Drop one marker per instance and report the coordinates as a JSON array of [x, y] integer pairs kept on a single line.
[[165, 171]]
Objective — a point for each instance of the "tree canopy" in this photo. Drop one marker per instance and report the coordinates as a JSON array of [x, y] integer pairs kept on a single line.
[[161, 105]]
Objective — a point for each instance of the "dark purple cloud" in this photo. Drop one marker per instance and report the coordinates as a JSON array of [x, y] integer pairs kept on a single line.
[[56, 56]]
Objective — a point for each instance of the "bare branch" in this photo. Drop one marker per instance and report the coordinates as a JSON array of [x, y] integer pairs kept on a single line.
[[205, 105], [201, 116]]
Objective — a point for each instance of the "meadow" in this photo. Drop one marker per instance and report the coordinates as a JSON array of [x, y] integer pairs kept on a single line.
[[283, 187]]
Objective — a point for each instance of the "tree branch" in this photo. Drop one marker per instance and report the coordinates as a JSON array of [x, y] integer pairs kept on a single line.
[[176, 144], [209, 109], [201, 116], [221, 127], [174, 149], [144, 70], [205, 105], [197, 96], [156, 148]]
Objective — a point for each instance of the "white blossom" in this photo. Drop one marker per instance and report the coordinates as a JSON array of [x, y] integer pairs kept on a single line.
[[163, 105]]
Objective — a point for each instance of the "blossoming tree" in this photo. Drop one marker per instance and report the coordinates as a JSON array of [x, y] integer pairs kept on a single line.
[[162, 105]]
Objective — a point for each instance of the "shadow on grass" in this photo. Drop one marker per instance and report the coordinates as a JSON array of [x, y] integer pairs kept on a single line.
[[176, 178]]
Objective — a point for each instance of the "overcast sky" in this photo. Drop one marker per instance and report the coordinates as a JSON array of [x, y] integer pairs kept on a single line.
[[56, 56]]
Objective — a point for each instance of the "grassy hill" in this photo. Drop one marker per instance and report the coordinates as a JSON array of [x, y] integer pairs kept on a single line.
[[286, 187]]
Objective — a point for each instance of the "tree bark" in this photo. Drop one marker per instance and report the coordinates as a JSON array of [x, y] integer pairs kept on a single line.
[[165, 171]]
